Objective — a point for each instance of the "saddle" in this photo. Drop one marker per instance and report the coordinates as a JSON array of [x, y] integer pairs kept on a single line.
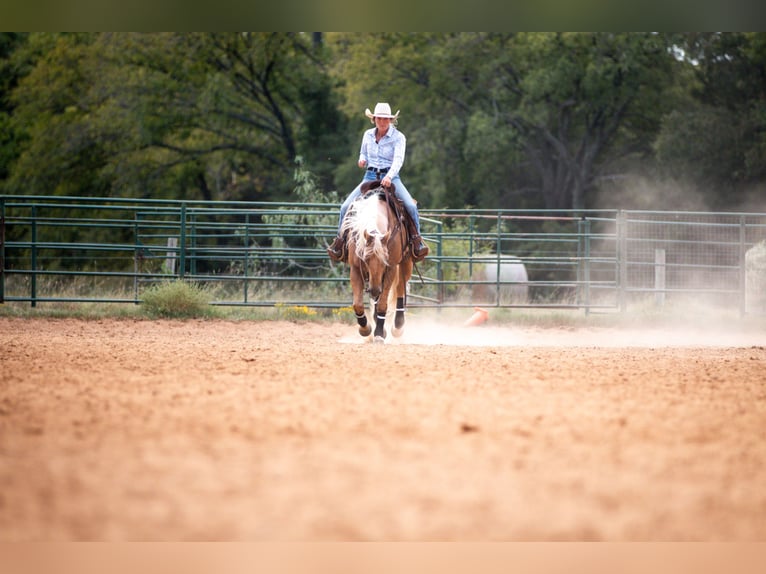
[[397, 205]]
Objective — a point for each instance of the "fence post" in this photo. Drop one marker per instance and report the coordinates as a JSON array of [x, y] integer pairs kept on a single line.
[[439, 268], [583, 267], [170, 256], [136, 256], [193, 242], [470, 244], [182, 241], [578, 278], [622, 259], [247, 255], [499, 251], [659, 277], [33, 282], [2, 251], [742, 267], [499, 247]]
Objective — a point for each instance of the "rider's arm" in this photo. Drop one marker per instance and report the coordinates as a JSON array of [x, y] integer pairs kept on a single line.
[[363, 155], [399, 150]]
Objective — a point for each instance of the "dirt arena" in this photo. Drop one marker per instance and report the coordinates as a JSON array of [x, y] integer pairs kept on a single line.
[[120, 430]]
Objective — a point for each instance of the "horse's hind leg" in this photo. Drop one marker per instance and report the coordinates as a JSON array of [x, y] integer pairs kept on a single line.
[[399, 319], [405, 272]]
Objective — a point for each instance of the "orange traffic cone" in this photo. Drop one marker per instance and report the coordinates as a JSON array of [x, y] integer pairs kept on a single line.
[[479, 317]]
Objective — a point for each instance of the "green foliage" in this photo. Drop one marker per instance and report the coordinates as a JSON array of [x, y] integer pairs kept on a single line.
[[10, 72], [513, 120], [716, 142], [176, 300], [494, 120], [307, 191], [701, 144], [56, 151], [177, 115]]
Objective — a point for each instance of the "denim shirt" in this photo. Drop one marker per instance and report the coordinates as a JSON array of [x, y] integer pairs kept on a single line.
[[389, 152]]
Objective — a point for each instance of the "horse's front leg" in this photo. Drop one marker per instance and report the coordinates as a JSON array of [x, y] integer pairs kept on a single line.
[[357, 287], [381, 308]]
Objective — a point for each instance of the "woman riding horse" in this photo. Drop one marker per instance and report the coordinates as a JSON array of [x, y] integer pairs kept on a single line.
[[378, 258], [382, 152]]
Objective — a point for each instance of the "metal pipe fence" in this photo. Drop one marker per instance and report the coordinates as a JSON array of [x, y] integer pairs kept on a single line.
[[75, 249]]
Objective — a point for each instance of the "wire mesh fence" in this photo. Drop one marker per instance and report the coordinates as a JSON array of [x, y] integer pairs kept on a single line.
[[672, 255]]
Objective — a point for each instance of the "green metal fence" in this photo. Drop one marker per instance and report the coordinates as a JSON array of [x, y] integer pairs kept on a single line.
[[76, 249]]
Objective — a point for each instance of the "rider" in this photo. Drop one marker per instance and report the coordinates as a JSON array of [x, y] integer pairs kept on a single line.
[[382, 153]]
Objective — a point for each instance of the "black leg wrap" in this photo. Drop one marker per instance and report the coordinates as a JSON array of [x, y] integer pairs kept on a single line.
[[399, 318], [361, 320], [380, 326]]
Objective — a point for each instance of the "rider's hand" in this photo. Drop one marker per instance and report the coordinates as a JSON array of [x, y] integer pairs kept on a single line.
[[386, 182], [362, 162]]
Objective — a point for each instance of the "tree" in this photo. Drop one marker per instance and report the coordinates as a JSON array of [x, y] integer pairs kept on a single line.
[[229, 108], [718, 141], [59, 152], [583, 100], [10, 72], [537, 111], [208, 115]]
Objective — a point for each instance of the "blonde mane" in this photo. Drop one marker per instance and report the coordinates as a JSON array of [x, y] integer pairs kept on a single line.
[[367, 226]]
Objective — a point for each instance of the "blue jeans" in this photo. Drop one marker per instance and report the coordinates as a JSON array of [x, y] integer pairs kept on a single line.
[[401, 193]]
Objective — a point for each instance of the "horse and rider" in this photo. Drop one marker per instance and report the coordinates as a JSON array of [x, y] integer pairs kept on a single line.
[[381, 156]]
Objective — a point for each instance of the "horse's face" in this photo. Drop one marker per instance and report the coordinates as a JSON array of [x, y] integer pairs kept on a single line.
[[375, 261]]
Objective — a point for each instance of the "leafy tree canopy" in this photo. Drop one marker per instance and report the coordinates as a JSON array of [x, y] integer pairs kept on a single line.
[[493, 120]]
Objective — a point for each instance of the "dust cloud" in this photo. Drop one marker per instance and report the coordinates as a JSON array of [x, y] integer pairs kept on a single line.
[[429, 331]]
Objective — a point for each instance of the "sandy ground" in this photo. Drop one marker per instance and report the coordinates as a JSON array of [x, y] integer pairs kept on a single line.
[[120, 430]]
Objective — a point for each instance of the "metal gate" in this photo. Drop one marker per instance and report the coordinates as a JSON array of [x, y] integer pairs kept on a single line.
[[74, 249]]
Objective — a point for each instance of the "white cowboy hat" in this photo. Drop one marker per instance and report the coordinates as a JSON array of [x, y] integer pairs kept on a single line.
[[382, 110]]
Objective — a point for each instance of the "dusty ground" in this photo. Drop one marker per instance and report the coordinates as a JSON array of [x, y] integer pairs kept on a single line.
[[212, 430]]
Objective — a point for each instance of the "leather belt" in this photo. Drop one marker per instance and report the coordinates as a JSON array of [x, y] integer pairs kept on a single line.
[[378, 171]]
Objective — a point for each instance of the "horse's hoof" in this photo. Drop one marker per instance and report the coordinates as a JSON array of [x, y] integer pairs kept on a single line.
[[366, 330], [396, 332], [379, 340]]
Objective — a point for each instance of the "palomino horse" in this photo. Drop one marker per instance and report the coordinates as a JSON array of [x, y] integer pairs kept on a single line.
[[378, 254]]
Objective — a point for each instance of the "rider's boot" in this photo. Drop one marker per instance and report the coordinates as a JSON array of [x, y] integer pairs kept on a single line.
[[419, 249]]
